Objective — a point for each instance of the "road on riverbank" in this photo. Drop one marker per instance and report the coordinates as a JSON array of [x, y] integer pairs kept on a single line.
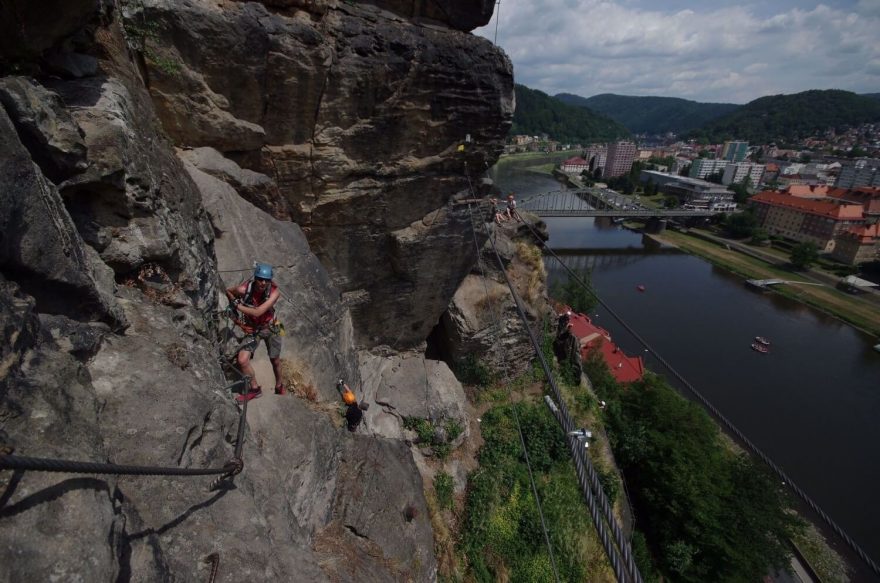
[[860, 312]]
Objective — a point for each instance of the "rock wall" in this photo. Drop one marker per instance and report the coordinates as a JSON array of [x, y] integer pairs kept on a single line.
[[115, 247], [356, 112]]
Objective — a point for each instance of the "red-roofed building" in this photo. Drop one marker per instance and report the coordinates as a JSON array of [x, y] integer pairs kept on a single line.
[[626, 369], [858, 245], [867, 196], [806, 219], [575, 165]]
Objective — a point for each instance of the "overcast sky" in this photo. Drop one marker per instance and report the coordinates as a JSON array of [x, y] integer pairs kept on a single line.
[[710, 51]]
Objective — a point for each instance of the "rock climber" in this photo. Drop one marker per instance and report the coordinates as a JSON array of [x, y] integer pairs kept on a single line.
[[252, 306], [354, 412]]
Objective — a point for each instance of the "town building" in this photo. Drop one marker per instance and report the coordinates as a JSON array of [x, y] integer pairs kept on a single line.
[[859, 173], [703, 167], [734, 151], [858, 245], [867, 196], [735, 173], [574, 165], [818, 220], [592, 338], [693, 192], [596, 156], [620, 159]]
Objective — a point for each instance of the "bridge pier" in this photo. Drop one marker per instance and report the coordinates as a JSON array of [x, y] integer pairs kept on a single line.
[[655, 225]]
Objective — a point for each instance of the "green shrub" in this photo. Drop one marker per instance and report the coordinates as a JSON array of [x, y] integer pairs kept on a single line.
[[709, 513], [443, 488], [501, 534], [453, 429], [423, 428], [471, 371]]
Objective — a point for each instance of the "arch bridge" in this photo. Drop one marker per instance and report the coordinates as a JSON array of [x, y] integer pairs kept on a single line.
[[596, 202]]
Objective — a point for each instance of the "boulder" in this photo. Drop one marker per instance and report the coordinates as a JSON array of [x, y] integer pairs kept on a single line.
[[40, 242], [410, 386], [44, 127], [53, 526], [27, 29], [134, 204], [256, 188]]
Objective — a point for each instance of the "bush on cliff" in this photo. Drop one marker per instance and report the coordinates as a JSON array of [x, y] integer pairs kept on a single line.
[[502, 536]]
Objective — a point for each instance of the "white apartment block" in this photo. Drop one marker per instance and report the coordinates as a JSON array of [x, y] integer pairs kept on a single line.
[[596, 156], [703, 167], [735, 173]]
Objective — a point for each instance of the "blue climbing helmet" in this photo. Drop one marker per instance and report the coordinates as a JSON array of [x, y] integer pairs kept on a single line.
[[263, 271]]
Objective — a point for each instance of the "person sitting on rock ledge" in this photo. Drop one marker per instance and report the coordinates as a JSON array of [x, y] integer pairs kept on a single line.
[[511, 208], [497, 215], [253, 310]]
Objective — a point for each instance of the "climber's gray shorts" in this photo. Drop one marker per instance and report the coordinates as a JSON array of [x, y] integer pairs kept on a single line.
[[252, 341]]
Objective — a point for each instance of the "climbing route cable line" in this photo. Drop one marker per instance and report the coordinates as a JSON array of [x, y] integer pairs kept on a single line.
[[503, 356], [618, 550], [714, 410]]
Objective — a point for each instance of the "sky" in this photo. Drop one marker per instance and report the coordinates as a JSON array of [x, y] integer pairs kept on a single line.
[[717, 51]]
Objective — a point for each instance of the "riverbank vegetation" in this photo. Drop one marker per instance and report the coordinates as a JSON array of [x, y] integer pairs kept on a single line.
[[500, 537], [852, 310], [707, 513]]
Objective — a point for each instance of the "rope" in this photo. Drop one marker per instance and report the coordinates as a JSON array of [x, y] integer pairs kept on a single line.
[[726, 422], [522, 440], [214, 560], [586, 473], [14, 462], [628, 572]]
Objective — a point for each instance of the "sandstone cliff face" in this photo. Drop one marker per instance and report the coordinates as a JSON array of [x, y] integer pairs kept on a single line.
[[357, 114], [114, 248]]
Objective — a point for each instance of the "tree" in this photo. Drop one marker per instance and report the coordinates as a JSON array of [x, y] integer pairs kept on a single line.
[[741, 190], [740, 225], [759, 236], [670, 202], [579, 298], [715, 177], [803, 255]]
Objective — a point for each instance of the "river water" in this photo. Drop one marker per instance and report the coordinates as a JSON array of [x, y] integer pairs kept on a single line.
[[812, 404]]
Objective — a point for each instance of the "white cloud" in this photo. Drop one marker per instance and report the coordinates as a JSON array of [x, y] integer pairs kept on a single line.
[[730, 52]]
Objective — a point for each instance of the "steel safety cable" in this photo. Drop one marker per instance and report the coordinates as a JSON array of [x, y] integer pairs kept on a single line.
[[708, 404], [613, 552], [513, 405], [574, 445]]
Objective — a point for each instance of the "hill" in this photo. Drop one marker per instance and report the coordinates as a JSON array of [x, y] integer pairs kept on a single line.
[[536, 112], [652, 115], [786, 119]]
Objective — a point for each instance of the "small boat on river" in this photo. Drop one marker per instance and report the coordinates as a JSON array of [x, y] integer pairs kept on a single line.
[[640, 287], [877, 347], [762, 340], [760, 348]]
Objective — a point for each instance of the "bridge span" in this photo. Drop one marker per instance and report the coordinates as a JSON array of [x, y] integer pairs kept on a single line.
[[596, 202]]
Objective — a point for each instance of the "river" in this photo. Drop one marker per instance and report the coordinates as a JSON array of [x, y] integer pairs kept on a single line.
[[812, 404]]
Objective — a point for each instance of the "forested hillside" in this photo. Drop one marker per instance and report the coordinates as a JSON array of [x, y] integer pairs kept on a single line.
[[536, 113], [651, 115], [786, 119]]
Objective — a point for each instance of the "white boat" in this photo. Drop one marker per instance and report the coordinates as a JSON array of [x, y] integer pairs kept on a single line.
[[877, 347]]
